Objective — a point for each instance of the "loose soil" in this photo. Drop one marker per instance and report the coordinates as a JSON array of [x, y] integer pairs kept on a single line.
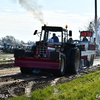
[[25, 84]]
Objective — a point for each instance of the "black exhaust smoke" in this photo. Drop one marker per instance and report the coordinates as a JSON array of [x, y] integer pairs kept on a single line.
[[32, 7]]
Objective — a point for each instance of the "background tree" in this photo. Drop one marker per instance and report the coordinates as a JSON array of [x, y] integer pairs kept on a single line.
[[30, 42], [22, 42], [90, 25], [11, 40], [8, 39]]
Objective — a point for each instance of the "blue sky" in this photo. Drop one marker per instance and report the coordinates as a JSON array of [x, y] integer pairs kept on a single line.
[[15, 20]]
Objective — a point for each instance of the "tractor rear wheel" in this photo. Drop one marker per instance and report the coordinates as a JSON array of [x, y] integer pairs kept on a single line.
[[75, 61], [68, 53]]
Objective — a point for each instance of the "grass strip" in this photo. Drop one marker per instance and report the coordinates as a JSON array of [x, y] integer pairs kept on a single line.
[[5, 59], [86, 87]]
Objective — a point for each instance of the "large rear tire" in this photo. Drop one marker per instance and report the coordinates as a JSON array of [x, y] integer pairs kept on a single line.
[[68, 53], [75, 61]]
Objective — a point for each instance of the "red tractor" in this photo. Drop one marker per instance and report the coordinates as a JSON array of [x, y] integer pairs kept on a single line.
[[55, 53]]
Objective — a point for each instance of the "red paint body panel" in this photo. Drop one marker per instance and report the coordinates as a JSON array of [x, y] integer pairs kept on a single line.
[[51, 45], [45, 63], [84, 57], [91, 47]]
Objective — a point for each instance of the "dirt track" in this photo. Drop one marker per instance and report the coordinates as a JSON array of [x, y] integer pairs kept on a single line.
[[8, 64], [13, 83]]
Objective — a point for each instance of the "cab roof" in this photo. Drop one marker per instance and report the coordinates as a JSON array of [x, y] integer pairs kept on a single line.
[[53, 28]]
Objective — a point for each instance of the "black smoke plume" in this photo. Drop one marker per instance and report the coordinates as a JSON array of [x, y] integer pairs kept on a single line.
[[32, 7]]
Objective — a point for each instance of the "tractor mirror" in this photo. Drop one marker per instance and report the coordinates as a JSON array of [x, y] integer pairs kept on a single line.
[[70, 33], [35, 32]]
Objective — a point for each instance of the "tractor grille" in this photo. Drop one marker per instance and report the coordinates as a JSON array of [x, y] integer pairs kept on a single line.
[[42, 49]]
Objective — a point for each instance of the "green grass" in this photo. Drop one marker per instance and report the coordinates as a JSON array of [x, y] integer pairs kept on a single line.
[[6, 54], [83, 88], [4, 59]]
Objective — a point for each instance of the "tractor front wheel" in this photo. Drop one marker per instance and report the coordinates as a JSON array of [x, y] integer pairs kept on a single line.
[[62, 69], [25, 70]]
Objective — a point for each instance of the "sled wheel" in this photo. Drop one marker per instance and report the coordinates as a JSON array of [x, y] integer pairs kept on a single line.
[[90, 63], [92, 60], [75, 61]]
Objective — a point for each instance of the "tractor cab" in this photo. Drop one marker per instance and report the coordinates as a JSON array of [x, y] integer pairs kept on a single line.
[[85, 40], [52, 34], [52, 38]]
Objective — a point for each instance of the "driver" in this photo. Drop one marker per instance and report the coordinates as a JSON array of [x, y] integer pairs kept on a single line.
[[85, 39], [55, 38]]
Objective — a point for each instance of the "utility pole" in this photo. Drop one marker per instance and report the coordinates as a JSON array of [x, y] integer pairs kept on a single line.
[[96, 20]]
